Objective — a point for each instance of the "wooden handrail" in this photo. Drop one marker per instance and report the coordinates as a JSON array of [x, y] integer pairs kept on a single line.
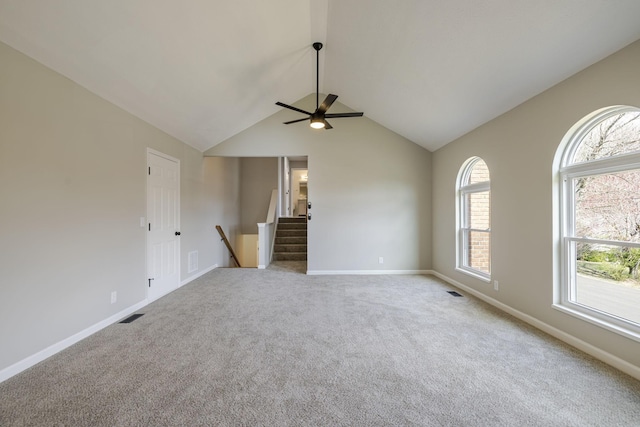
[[226, 242]]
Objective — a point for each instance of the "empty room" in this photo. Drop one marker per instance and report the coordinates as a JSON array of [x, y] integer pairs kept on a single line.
[[331, 212]]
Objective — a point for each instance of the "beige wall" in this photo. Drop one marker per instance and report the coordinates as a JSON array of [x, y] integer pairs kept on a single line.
[[519, 149], [246, 249], [259, 177], [73, 189], [370, 189], [219, 204]]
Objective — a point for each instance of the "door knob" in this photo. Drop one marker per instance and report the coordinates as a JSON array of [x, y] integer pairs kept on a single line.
[[177, 233], [309, 216]]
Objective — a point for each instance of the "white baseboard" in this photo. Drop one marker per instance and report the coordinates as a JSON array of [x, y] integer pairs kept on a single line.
[[590, 349], [198, 274], [364, 272], [38, 357]]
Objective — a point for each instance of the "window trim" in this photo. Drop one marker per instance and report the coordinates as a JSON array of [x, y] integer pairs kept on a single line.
[[572, 139], [567, 172], [461, 226]]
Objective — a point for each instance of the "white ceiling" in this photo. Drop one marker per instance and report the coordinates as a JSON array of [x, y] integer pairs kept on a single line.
[[430, 70]]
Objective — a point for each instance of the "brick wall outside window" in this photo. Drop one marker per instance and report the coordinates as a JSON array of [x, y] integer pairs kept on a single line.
[[479, 242]]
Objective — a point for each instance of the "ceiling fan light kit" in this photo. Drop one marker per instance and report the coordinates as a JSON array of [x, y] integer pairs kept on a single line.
[[317, 123], [318, 119]]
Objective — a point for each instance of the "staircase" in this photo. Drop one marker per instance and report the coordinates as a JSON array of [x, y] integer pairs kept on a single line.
[[291, 240]]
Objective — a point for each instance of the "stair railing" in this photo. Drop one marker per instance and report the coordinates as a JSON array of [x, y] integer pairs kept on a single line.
[[226, 242]]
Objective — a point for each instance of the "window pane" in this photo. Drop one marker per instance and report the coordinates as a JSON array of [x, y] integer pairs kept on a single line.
[[608, 206], [478, 250], [478, 210], [616, 135], [479, 173], [607, 279]]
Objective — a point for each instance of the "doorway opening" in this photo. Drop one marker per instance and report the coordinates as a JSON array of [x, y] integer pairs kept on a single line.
[[290, 245], [299, 192], [294, 187]]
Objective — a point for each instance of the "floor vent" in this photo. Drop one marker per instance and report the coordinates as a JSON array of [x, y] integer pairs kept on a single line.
[[132, 318], [454, 293]]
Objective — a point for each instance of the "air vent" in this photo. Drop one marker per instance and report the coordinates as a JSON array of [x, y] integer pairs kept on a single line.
[[454, 293], [193, 261], [132, 318]]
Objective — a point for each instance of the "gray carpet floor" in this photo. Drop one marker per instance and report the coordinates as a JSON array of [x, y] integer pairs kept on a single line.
[[248, 347]]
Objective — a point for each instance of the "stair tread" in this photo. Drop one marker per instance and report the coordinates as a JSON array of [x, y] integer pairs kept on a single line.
[[290, 256], [290, 249], [291, 233]]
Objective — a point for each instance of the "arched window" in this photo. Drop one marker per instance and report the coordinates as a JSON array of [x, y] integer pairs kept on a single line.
[[600, 220], [474, 219]]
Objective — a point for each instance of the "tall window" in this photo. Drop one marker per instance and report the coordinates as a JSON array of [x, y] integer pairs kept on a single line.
[[474, 219], [600, 227]]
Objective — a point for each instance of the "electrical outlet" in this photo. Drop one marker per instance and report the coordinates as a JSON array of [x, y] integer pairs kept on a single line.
[[380, 260], [114, 297], [496, 286]]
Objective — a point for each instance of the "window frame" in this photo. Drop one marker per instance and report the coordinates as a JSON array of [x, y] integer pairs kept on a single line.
[[462, 228], [567, 173]]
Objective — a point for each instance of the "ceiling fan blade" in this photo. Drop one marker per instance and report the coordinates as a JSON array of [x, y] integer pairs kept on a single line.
[[296, 121], [293, 108], [336, 115], [330, 99], [327, 125]]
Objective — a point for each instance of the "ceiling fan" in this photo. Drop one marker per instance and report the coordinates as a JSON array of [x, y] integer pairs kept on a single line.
[[318, 119]]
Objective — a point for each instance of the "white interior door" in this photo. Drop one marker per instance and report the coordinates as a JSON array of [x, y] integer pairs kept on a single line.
[[163, 217]]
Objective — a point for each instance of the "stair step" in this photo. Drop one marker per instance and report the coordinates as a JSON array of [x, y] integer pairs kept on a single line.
[[290, 256], [292, 220], [292, 226], [297, 240], [290, 248], [291, 233]]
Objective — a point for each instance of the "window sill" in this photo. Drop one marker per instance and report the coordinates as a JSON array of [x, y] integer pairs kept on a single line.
[[475, 273], [605, 321]]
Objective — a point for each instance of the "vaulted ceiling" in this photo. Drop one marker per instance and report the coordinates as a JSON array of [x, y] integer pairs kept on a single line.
[[429, 70]]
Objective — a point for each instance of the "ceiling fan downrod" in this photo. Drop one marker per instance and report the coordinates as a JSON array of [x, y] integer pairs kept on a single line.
[[317, 46]]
